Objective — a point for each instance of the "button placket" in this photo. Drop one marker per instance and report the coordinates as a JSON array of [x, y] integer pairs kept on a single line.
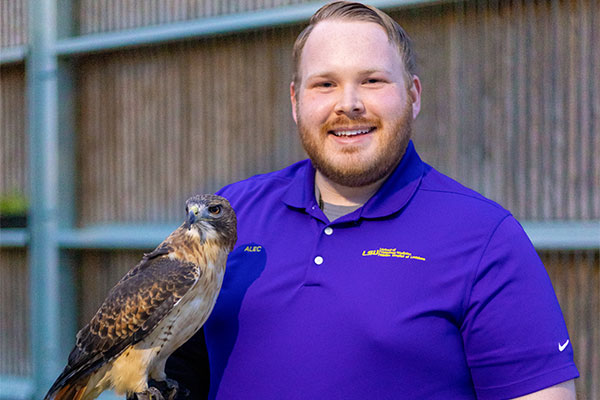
[[318, 260], [314, 273]]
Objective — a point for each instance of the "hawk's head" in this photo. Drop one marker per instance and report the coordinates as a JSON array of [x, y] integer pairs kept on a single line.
[[212, 217]]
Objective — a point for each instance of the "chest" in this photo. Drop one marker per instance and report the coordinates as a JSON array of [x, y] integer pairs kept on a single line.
[[386, 282], [374, 302]]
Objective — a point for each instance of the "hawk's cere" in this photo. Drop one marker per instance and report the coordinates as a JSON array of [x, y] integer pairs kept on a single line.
[[155, 308]]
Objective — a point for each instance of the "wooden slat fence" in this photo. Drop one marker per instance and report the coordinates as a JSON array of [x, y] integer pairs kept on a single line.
[[13, 23], [576, 279], [178, 120], [13, 142], [512, 101], [14, 313]]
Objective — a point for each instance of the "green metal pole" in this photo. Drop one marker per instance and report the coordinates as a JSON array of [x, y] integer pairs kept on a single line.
[[42, 102]]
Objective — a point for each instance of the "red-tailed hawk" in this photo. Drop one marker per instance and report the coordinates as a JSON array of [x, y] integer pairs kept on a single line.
[[155, 308]]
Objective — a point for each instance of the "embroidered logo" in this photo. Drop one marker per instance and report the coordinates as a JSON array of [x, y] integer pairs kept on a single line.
[[386, 252]]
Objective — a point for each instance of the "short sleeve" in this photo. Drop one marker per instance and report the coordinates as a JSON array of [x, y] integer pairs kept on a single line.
[[515, 338]]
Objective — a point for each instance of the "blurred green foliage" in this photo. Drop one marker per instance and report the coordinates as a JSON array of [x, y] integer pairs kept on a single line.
[[13, 203]]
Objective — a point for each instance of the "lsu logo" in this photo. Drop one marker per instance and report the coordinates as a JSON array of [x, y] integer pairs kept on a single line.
[[387, 252], [253, 249]]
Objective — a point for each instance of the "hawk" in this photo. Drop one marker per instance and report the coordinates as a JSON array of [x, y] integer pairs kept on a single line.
[[155, 308]]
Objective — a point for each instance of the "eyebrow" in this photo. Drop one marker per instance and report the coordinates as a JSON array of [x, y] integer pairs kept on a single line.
[[330, 74], [320, 75], [375, 71]]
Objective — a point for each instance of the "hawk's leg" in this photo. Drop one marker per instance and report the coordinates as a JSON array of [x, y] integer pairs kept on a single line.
[[169, 388]]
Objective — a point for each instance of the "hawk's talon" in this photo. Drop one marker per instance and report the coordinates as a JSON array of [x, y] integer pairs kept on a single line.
[[151, 393], [169, 389]]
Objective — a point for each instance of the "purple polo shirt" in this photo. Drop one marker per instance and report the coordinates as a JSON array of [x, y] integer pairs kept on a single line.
[[428, 291]]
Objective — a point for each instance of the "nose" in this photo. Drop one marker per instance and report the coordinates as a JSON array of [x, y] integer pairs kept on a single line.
[[350, 102]]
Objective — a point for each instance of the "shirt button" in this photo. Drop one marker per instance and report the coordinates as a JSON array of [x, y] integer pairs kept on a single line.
[[318, 260], [328, 231]]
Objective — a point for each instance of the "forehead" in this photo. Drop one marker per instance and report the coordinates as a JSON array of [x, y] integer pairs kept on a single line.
[[338, 45]]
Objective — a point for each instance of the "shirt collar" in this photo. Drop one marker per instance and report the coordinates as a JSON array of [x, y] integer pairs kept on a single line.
[[395, 192], [301, 192]]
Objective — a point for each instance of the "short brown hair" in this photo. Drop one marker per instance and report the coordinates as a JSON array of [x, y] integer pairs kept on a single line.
[[346, 10]]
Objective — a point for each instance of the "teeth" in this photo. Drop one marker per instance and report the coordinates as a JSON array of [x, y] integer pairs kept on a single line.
[[352, 132]]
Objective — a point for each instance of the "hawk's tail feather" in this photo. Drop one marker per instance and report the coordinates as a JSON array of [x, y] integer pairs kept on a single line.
[[72, 382], [74, 392], [70, 391]]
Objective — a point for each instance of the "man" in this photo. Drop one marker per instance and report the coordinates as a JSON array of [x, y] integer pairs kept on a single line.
[[364, 273]]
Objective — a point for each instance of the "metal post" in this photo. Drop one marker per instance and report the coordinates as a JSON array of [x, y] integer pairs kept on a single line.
[[42, 91], [66, 179]]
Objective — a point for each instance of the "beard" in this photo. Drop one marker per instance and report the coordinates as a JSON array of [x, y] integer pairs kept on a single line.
[[356, 169]]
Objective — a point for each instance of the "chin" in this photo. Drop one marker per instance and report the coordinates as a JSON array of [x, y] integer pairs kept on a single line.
[[352, 174]]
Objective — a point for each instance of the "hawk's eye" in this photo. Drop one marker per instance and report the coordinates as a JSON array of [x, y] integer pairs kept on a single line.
[[214, 210]]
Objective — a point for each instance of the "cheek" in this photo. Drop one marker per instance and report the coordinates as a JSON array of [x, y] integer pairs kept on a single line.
[[315, 108], [384, 105]]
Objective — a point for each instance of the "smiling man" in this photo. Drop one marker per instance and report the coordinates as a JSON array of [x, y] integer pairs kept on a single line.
[[363, 273]]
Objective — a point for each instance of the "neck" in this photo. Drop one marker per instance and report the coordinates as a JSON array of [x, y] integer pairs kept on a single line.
[[334, 193]]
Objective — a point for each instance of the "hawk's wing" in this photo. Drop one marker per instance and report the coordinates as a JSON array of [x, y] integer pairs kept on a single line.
[[137, 303]]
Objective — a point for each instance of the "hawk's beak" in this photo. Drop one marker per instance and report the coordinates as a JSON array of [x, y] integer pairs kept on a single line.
[[191, 217]]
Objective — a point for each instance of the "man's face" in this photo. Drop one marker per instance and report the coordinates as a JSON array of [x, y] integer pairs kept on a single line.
[[352, 107]]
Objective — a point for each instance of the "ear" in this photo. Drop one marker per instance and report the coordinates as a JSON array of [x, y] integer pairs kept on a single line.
[[415, 94], [293, 99]]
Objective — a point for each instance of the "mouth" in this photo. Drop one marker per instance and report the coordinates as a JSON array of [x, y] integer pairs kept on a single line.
[[351, 132]]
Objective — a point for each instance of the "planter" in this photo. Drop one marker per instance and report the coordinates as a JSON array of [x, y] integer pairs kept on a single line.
[[13, 221]]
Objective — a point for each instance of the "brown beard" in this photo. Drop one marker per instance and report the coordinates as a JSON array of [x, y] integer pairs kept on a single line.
[[384, 162]]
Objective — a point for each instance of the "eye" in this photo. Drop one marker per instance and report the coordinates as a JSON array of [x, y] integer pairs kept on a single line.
[[323, 85], [214, 210]]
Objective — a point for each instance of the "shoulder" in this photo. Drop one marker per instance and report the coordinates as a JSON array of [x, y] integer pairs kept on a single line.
[[263, 187], [458, 201], [436, 182]]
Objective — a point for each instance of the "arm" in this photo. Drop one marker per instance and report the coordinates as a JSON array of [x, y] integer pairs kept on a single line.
[[513, 328], [562, 391]]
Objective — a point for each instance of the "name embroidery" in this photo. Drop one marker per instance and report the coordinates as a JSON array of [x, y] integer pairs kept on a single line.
[[253, 249], [386, 252]]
